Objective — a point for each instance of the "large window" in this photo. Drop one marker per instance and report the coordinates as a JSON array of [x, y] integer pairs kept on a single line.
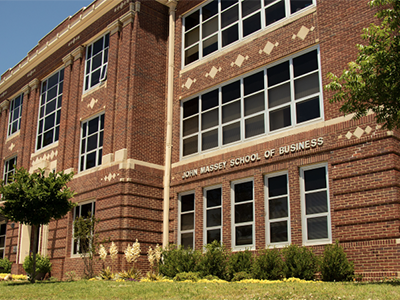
[[9, 169], [2, 240], [186, 220], [284, 95], [86, 210], [222, 22], [14, 122], [50, 110], [92, 143], [213, 214], [316, 222], [96, 62], [243, 226], [277, 209]]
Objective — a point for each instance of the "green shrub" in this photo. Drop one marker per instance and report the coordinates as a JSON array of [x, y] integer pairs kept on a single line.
[[192, 276], [213, 261], [5, 265], [177, 259], [211, 277], [300, 262], [334, 264], [239, 262], [43, 264], [240, 276], [268, 265]]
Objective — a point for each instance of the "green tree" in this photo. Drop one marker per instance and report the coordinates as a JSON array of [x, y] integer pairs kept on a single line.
[[36, 199], [372, 81]]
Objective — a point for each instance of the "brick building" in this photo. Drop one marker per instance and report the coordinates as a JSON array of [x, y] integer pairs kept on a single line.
[[190, 121]]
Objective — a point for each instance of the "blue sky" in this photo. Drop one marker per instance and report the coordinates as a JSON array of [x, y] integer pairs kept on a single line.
[[24, 22]]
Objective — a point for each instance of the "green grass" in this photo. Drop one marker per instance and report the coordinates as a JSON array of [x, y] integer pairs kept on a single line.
[[184, 290]]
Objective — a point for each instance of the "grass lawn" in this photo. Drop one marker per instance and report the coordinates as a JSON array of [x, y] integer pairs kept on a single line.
[[185, 290]]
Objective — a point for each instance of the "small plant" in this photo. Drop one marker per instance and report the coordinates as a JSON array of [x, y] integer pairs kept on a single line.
[[106, 274], [113, 254], [154, 257], [177, 259], [240, 262], [132, 254], [240, 276], [268, 265], [43, 265], [192, 276], [214, 260], [334, 264], [300, 262], [5, 265], [70, 276]]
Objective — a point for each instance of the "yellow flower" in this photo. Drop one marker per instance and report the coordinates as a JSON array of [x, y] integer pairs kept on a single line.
[[103, 253], [113, 251]]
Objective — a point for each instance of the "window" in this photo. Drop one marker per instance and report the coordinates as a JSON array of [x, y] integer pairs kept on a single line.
[[85, 210], [284, 95], [221, 22], [9, 169], [243, 215], [96, 62], [50, 110], [2, 240], [14, 122], [92, 143], [213, 214], [316, 221], [277, 209], [186, 220]]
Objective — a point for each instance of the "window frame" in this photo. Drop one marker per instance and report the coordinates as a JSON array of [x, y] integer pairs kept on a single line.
[[9, 170], [180, 213], [93, 213], [206, 208], [251, 246], [11, 117], [5, 238], [57, 110], [99, 148], [305, 217], [239, 22], [102, 68], [292, 104], [267, 212]]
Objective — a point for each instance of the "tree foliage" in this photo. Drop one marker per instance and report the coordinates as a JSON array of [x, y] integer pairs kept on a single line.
[[372, 81]]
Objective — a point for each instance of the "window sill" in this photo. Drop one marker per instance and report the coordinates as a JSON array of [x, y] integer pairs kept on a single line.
[[14, 135], [102, 84]]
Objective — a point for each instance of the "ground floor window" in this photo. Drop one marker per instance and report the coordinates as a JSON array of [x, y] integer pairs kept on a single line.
[[2, 240], [186, 220], [213, 214], [85, 210], [316, 221]]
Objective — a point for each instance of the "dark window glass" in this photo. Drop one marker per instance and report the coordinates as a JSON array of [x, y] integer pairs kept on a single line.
[[274, 13], [305, 63], [230, 35], [317, 228], [209, 119], [254, 104], [277, 185], [213, 235], [210, 45], [187, 240], [278, 73], [244, 235], [279, 118], [254, 126], [243, 191], [279, 95], [315, 179], [214, 197], [243, 213], [190, 126], [279, 232], [250, 6], [231, 92], [213, 217], [91, 160], [253, 83], [192, 20], [190, 146], [251, 24], [209, 139], [187, 202], [209, 100], [190, 107], [191, 54], [316, 203], [187, 221], [231, 133], [296, 5], [231, 112], [210, 10], [227, 3], [307, 110], [278, 208], [307, 85]]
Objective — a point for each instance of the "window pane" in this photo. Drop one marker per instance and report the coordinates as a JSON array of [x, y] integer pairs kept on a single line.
[[214, 197], [254, 126], [243, 191], [243, 213], [51, 106], [192, 20], [279, 118], [91, 143], [213, 217], [231, 112], [190, 107], [190, 145], [210, 10], [227, 3], [316, 203], [250, 6], [305, 63], [210, 27], [296, 5], [251, 24], [307, 110], [192, 37], [253, 83], [48, 138], [231, 133], [254, 104], [244, 235], [191, 54], [2, 243], [209, 100], [213, 235], [231, 92], [317, 228], [53, 80], [91, 160], [209, 139], [187, 221], [209, 119], [210, 45], [95, 78], [187, 202], [278, 74], [277, 186], [315, 179], [230, 35], [306, 86], [278, 208], [93, 125], [51, 93], [97, 61], [190, 126], [230, 16], [279, 95], [278, 232], [98, 46], [274, 13], [3, 229], [187, 240], [49, 121]]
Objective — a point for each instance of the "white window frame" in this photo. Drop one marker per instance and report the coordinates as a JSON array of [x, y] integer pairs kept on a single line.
[[102, 68], [266, 111], [43, 113], [305, 217], [3, 236], [268, 221], [180, 213], [15, 115], [100, 141], [251, 246], [261, 11], [206, 209], [74, 216], [9, 170]]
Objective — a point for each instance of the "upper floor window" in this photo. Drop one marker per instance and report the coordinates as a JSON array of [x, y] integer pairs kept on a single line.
[[285, 95], [9, 169], [222, 22], [92, 143], [96, 62], [14, 122], [50, 110], [2, 240]]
